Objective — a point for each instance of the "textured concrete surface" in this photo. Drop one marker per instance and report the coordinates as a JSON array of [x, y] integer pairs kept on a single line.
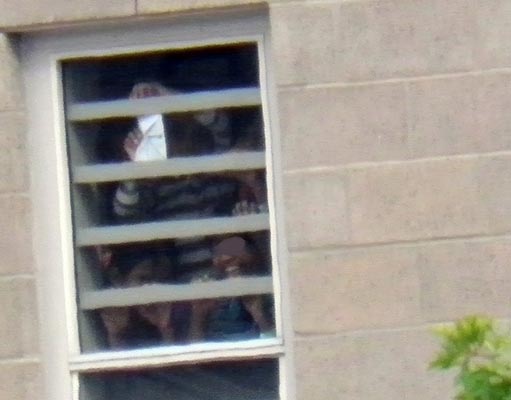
[[20, 367]]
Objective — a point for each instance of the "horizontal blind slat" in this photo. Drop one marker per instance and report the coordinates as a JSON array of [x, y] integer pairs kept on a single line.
[[176, 354], [158, 293], [204, 100], [238, 161], [142, 232]]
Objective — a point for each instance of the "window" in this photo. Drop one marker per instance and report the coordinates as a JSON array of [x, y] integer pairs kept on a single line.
[[156, 225]]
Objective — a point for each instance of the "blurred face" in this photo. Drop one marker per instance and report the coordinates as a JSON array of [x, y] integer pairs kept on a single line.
[[227, 265], [141, 274]]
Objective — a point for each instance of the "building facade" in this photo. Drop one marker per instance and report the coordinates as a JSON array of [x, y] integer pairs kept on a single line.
[[395, 160]]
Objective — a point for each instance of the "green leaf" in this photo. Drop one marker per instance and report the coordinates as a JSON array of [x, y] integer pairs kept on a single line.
[[480, 351]]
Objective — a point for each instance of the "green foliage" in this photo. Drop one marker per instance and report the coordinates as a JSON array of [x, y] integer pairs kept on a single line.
[[480, 350]]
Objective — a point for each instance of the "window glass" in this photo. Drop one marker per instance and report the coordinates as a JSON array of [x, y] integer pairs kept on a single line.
[[169, 198], [254, 380]]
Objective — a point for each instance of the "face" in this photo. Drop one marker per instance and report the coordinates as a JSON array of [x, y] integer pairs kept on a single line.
[[141, 274], [227, 265]]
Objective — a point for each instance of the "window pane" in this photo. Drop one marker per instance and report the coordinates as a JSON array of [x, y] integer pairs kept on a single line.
[[254, 380], [183, 70], [176, 126], [236, 318], [223, 194]]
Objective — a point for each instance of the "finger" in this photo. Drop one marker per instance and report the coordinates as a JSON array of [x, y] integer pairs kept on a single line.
[[131, 138], [129, 143], [138, 135], [144, 90], [161, 90], [235, 210], [136, 91]]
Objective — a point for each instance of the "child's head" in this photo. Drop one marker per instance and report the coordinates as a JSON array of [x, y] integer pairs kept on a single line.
[[230, 256]]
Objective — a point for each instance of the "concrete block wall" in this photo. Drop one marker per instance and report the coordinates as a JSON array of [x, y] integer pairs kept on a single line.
[[20, 366], [397, 167], [396, 152]]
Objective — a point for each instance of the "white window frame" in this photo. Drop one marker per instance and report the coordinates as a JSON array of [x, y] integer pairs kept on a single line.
[[50, 192]]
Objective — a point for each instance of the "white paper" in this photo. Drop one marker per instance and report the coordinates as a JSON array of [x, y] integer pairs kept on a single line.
[[153, 145]]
